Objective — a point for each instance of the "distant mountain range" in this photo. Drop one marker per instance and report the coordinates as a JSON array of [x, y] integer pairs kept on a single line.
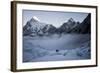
[[34, 27]]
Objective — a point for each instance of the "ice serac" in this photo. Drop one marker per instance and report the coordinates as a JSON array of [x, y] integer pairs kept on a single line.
[[34, 27]]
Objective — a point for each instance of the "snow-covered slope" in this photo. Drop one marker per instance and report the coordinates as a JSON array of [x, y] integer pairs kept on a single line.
[[35, 27]]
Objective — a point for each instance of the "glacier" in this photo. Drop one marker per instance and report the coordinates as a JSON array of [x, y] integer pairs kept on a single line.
[[55, 48]]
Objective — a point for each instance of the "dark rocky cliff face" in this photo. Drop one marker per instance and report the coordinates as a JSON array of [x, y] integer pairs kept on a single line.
[[84, 27], [67, 26]]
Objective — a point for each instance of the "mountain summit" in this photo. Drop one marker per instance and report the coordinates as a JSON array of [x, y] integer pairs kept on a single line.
[[34, 18], [67, 26], [34, 27], [71, 20]]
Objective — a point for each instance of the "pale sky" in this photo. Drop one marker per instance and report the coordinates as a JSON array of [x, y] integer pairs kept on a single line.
[[52, 17]]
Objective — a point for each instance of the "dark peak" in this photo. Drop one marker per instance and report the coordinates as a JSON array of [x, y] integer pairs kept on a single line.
[[78, 22], [89, 15], [71, 20]]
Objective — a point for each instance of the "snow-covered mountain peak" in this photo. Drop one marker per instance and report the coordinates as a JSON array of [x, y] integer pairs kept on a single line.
[[34, 18]]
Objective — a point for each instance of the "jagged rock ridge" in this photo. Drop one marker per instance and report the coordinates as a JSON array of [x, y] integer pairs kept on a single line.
[[35, 27]]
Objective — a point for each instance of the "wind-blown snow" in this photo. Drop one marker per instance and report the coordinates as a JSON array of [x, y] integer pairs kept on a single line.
[[35, 18], [55, 48]]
